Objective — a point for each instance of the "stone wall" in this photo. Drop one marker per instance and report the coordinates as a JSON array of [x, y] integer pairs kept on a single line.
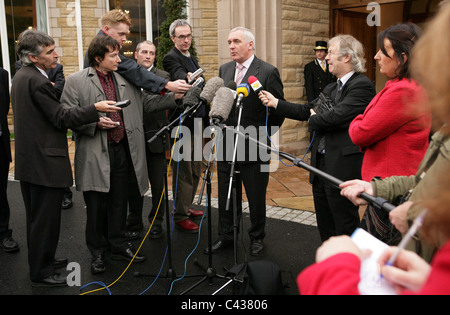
[[203, 18], [63, 28], [302, 23]]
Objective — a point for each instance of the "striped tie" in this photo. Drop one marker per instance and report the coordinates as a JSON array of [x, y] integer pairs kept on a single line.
[[240, 74], [324, 68]]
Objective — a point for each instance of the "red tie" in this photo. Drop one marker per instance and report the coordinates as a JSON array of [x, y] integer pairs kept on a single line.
[[117, 133]]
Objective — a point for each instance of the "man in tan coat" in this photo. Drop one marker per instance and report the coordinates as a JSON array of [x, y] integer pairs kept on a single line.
[[111, 153]]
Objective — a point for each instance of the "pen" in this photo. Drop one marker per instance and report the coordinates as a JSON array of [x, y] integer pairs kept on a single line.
[[411, 232]]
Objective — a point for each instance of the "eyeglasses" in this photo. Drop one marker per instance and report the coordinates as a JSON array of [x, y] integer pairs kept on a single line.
[[183, 37]]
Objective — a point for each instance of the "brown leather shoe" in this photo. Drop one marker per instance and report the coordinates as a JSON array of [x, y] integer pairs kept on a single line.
[[188, 226]]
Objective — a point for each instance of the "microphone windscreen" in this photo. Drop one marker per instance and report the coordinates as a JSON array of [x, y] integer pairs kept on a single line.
[[232, 85], [252, 79], [255, 84], [242, 88], [210, 89], [222, 103], [192, 96]]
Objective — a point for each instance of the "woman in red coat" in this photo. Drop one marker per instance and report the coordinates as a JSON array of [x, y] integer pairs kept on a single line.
[[394, 130], [338, 261]]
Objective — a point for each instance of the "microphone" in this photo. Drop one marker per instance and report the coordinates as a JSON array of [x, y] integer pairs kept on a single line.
[[232, 86], [210, 89], [242, 91], [192, 97], [255, 84], [198, 82], [195, 97], [195, 75], [221, 105]]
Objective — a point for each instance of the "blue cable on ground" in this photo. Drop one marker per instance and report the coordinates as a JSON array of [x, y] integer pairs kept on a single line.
[[173, 215]]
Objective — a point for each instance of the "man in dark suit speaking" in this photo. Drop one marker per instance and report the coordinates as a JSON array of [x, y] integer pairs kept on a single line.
[[333, 151], [252, 174], [42, 162]]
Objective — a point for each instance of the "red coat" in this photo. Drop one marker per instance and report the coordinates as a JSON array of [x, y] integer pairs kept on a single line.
[[339, 274], [393, 132]]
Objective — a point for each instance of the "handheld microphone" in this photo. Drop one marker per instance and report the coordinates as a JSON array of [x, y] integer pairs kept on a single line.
[[255, 84], [198, 82], [242, 91], [195, 75], [221, 105]]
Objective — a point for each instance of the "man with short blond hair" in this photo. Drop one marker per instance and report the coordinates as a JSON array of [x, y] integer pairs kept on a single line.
[[116, 24]]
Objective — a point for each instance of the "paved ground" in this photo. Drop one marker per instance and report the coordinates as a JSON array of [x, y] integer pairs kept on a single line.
[[289, 193], [290, 245]]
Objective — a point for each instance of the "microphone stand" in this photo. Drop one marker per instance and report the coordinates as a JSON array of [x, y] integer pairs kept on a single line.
[[171, 274], [377, 202], [237, 272], [210, 272]]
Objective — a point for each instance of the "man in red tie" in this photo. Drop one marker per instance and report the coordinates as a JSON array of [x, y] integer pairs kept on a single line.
[[111, 153]]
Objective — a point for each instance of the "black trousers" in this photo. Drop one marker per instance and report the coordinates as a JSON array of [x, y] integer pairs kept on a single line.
[[156, 174], [107, 212], [335, 214], [4, 205], [43, 216], [255, 184]]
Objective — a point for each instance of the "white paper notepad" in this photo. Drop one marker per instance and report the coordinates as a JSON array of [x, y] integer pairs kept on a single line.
[[371, 282]]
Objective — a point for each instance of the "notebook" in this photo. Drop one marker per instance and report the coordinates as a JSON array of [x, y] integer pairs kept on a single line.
[[371, 282]]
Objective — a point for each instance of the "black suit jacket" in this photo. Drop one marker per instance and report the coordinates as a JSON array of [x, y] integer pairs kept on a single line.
[[254, 112], [178, 67], [343, 159], [316, 79], [156, 121], [55, 75], [40, 129], [4, 109], [136, 74]]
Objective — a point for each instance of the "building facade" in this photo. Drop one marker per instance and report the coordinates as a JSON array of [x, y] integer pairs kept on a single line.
[[285, 31]]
